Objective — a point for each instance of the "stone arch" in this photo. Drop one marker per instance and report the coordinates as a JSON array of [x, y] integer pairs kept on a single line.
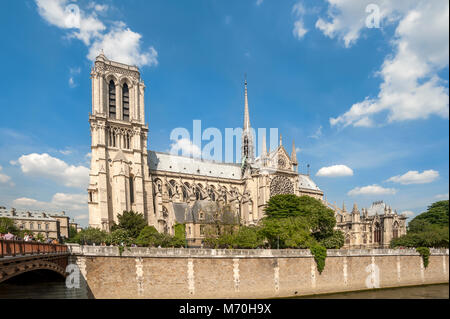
[[395, 229], [112, 76], [124, 79], [157, 182]]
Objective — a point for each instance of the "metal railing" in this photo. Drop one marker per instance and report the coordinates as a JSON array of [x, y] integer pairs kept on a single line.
[[12, 248]]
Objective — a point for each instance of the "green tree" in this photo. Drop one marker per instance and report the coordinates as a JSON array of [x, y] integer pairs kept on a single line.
[[292, 232], [283, 206], [436, 214], [91, 236], [119, 237], [335, 241], [148, 236], [40, 237], [429, 229], [179, 239], [320, 219], [247, 237], [7, 225], [72, 232], [132, 222]]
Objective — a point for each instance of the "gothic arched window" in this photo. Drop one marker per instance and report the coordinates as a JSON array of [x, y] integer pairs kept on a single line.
[[112, 99], [377, 234], [395, 231], [126, 103], [131, 181]]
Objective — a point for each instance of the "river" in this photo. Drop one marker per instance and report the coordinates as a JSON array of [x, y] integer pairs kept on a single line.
[[45, 286]]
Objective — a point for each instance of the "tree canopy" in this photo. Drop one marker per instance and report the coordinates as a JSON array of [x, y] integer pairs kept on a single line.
[[130, 221], [429, 229]]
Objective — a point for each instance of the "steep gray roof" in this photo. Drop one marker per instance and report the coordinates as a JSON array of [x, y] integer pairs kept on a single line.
[[306, 182], [187, 165]]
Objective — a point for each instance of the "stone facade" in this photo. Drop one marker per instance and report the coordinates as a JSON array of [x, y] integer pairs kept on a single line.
[[125, 175], [209, 273], [373, 227], [53, 225]]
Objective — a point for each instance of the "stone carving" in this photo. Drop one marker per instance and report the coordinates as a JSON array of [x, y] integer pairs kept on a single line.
[[281, 185], [105, 67]]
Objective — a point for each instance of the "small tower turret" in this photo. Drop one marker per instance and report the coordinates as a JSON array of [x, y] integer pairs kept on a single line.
[[294, 157]]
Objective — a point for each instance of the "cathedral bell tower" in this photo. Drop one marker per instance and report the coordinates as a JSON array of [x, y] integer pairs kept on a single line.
[[119, 170]]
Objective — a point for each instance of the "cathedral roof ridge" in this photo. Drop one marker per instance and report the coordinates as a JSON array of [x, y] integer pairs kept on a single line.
[[197, 159]]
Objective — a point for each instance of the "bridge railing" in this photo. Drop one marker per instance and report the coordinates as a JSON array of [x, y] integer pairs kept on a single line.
[[12, 248]]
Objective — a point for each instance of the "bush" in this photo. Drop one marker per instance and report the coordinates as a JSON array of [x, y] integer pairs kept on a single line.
[[91, 236], [119, 237], [147, 237], [425, 253], [335, 241], [320, 254]]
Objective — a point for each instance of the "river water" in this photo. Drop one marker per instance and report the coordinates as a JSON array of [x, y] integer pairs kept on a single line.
[[44, 286]]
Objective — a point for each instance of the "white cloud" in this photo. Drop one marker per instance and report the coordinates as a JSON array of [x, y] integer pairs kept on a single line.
[[123, 45], [317, 134], [60, 201], [72, 83], [186, 146], [65, 152], [44, 165], [441, 196], [335, 171], [82, 217], [371, 190], [408, 213], [4, 178], [72, 73], [414, 177], [411, 87], [118, 42], [259, 2], [299, 30]]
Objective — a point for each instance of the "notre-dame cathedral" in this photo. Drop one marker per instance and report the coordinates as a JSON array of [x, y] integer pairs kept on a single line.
[[166, 188]]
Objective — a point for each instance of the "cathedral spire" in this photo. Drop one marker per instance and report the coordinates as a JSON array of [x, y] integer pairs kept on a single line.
[[246, 112], [247, 153]]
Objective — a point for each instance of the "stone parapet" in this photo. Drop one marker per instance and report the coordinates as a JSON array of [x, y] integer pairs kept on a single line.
[[113, 251]]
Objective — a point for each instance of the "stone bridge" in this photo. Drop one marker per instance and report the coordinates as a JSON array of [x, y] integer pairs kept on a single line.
[[18, 257]]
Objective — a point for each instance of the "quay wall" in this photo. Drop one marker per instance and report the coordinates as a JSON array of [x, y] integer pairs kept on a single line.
[[241, 273]]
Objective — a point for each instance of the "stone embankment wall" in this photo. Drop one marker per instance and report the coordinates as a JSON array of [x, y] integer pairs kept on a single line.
[[217, 273]]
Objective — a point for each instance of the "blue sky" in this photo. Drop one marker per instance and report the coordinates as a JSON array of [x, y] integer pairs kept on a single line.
[[373, 101]]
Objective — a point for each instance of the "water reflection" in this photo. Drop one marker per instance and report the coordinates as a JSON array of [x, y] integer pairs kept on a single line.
[[439, 291], [41, 285]]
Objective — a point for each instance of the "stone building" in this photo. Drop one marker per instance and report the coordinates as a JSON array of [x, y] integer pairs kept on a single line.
[[54, 225], [373, 227], [125, 175], [203, 216]]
